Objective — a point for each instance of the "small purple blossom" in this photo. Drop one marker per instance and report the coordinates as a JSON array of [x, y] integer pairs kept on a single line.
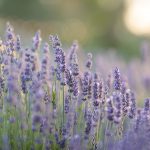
[[117, 79]]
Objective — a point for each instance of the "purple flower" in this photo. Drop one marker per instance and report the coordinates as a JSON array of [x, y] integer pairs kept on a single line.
[[55, 41], [46, 48], [23, 83], [101, 90], [95, 117], [147, 105], [132, 109], [138, 120], [73, 49], [117, 79], [69, 80], [75, 88], [67, 103], [95, 88], [62, 143], [86, 86], [2, 82], [110, 109], [73, 60], [37, 119], [89, 61], [59, 59], [46, 98], [9, 32], [123, 87], [75, 142], [88, 125], [37, 107], [118, 108], [36, 41], [18, 43]]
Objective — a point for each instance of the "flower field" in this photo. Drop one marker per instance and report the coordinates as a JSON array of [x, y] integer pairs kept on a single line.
[[50, 101]]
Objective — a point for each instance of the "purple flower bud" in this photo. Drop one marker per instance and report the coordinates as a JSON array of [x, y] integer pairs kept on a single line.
[[69, 80], [37, 107], [132, 110], [36, 41], [95, 117], [62, 143], [58, 74], [73, 60], [123, 87], [56, 137], [73, 49], [118, 108], [37, 119], [100, 89], [147, 105], [95, 87], [23, 83], [117, 79], [62, 65], [88, 125], [55, 41], [9, 32], [67, 102], [137, 120], [38, 140], [75, 69], [89, 94], [18, 43], [2, 82], [75, 88], [89, 62], [75, 142], [127, 99], [46, 98], [86, 86], [124, 105], [59, 59], [110, 110], [46, 48]]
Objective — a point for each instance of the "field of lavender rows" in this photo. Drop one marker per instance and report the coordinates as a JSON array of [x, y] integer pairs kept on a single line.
[[50, 101]]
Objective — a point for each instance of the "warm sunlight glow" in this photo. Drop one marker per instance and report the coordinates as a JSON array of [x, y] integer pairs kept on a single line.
[[137, 16]]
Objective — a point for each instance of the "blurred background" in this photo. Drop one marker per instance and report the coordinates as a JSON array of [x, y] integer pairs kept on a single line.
[[98, 25]]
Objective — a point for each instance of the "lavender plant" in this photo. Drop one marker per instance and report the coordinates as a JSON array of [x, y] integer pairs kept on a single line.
[[46, 104]]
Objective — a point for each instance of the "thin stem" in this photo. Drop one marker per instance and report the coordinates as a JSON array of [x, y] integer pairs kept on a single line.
[[105, 135], [63, 105]]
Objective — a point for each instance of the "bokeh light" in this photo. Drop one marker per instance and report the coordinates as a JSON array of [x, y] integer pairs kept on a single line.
[[137, 16]]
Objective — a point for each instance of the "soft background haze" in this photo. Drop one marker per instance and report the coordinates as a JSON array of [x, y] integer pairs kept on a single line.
[[98, 25]]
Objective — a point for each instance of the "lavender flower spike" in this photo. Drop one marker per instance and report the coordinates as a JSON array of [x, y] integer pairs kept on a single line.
[[36, 40], [89, 62], [9, 32], [147, 105], [117, 79]]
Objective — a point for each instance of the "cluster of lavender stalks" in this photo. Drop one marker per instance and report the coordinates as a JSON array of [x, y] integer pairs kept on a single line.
[[49, 105]]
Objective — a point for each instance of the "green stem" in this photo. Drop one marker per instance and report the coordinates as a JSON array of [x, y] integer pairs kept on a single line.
[[105, 136], [63, 105]]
